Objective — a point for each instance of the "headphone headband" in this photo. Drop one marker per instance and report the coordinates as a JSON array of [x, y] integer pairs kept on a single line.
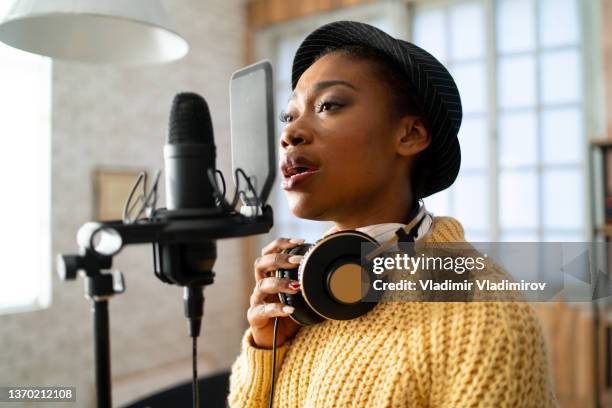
[[408, 230]]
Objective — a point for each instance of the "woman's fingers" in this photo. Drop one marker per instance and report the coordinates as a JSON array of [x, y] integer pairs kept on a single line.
[[258, 315], [264, 302], [279, 244], [272, 286], [273, 261]]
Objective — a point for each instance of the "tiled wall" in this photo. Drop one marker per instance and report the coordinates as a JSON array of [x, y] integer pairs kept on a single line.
[[118, 118]]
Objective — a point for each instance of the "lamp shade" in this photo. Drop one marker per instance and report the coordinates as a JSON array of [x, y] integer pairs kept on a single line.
[[123, 32]]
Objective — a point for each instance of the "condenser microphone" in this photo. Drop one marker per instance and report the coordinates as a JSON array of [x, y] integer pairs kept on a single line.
[[188, 155]]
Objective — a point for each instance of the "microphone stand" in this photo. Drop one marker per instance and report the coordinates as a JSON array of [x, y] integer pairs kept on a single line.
[[100, 241], [99, 289], [102, 353]]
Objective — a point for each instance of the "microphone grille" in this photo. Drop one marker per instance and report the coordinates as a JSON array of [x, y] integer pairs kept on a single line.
[[190, 120]]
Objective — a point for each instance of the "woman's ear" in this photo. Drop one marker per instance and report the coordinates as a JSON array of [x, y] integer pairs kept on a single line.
[[413, 136]]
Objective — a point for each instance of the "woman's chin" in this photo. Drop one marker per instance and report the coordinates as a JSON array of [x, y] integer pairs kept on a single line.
[[305, 208]]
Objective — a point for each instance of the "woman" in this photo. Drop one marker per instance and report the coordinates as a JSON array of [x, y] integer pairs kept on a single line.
[[374, 121]]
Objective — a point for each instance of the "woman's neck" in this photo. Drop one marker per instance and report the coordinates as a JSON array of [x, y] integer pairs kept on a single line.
[[397, 213]]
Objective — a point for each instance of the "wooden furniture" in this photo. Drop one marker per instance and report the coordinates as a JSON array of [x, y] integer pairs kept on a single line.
[[572, 333], [264, 13], [579, 336], [601, 197]]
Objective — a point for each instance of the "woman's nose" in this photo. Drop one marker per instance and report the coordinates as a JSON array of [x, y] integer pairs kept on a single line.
[[292, 137]]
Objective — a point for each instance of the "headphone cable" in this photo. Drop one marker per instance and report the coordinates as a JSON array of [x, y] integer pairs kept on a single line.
[[273, 362]]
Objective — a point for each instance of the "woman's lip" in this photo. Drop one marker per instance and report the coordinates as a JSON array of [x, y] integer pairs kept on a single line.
[[293, 182]]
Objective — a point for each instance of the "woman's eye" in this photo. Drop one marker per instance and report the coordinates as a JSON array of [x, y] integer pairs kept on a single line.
[[285, 117], [327, 106]]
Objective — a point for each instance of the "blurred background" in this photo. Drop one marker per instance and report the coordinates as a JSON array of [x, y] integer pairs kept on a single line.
[[535, 78]]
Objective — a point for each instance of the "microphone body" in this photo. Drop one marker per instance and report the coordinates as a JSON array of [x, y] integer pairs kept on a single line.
[[189, 155], [187, 184]]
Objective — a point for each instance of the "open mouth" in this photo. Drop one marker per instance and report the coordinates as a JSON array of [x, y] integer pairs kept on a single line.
[[296, 175], [298, 170]]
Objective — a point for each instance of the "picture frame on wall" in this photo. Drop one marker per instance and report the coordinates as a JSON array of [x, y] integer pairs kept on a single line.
[[112, 188]]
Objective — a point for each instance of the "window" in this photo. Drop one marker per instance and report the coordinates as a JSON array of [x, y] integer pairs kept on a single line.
[[522, 137], [518, 66], [25, 175], [459, 43]]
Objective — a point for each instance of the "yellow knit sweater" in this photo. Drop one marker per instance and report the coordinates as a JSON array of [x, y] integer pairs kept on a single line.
[[406, 354]]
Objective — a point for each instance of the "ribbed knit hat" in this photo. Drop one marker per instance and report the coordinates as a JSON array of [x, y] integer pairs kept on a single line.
[[436, 90]]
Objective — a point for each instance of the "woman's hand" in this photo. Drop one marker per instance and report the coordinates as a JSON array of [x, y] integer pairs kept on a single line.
[[265, 304]]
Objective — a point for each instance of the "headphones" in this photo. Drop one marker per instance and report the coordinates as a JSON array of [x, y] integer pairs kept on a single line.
[[334, 277]]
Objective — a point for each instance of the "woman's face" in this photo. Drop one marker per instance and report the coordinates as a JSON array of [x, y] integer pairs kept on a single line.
[[339, 122]]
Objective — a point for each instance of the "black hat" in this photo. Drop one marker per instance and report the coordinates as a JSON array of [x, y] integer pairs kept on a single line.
[[436, 90]]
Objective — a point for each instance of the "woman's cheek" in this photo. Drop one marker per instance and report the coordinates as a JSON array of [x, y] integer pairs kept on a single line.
[[341, 169]]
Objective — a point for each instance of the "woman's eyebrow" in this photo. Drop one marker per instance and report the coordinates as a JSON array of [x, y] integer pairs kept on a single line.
[[322, 85]]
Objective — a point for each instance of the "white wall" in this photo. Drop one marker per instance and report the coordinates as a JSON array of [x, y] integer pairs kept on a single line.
[[111, 117]]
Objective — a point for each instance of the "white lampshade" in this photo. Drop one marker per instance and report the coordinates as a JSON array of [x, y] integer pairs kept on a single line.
[[124, 32]]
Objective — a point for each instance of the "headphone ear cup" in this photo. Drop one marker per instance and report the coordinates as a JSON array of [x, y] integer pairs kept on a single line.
[[333, 277], [302, 314]]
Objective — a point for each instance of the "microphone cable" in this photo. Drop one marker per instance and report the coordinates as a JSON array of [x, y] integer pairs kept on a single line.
[[273, 362], [194, 361], [193, 298]]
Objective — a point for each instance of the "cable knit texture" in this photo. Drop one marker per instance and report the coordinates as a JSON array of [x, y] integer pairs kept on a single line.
[[406, 354]]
